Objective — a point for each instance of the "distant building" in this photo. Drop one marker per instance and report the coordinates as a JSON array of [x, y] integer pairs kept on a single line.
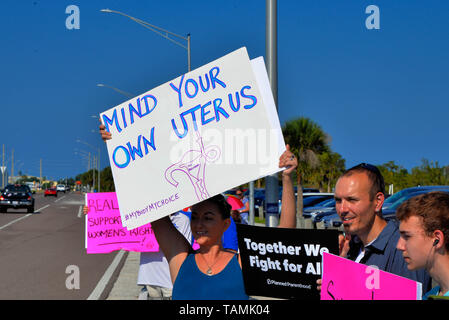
[[13, 179]]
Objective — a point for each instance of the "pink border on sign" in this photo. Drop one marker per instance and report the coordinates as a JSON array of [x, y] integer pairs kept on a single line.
[[344, 279]]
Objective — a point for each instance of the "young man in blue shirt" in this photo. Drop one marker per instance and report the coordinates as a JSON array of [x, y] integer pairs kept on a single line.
[[424, 241]]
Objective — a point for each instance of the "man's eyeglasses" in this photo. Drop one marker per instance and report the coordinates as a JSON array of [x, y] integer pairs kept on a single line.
[[377, 178]]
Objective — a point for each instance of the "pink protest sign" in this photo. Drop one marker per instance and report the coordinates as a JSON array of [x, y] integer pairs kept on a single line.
[[104, 230], [344, 279]]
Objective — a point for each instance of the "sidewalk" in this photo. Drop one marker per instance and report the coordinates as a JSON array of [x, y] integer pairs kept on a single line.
[[125, 287]]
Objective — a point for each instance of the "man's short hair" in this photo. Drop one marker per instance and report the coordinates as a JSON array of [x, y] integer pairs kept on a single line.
[[374, 175], [433, 208]]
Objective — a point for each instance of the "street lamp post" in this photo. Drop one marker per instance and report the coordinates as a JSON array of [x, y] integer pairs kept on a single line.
[[162, 32], [129, 95]]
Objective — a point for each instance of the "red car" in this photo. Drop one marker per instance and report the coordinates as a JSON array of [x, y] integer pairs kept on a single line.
[[51, 192]]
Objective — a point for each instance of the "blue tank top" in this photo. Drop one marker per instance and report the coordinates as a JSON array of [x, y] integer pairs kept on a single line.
[[192, 284]]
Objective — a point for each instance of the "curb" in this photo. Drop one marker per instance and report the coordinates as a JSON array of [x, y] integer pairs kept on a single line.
[[106, 282], [125, 286]]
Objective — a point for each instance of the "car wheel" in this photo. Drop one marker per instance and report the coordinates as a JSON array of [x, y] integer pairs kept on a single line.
[[30, 209]]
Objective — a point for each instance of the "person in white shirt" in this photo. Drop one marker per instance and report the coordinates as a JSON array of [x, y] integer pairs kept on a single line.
[[154, 272]]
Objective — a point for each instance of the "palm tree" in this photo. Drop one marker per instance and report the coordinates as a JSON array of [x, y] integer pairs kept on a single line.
[[307, 140], [332, 166]]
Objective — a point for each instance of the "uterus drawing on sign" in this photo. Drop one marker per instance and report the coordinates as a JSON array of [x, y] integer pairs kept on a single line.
[[193, 163]]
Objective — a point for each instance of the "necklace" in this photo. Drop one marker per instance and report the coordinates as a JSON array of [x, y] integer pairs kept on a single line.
[[209, 268]]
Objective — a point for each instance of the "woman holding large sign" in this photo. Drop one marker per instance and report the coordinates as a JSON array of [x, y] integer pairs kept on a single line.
[[213, 273]]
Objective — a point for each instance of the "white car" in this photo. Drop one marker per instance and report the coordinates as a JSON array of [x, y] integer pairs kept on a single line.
[[60, 188]]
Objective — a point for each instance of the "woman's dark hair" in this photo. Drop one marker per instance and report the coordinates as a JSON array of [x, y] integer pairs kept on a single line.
[[223, 206]]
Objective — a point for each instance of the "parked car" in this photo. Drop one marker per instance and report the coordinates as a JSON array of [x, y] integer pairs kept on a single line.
[[315, 200], [259, 196], [331, 220], [16, 196], [306, 190], [312, 199], [390, 213], [50, 192], [60, 188], [396, 196], [325, 206], [320, 216]]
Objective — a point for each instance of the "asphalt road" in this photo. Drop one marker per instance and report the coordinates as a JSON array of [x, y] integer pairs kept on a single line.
[[42, 254]]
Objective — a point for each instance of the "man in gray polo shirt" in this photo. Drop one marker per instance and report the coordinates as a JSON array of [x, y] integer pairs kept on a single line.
[[359, 195]]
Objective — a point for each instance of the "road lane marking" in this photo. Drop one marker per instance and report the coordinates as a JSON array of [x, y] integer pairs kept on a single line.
[[44, 207], [21, 218], [14, 221], [80, 212], [60, 198]]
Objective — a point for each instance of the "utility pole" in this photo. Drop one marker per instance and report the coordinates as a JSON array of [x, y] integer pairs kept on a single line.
[[93, 173], [271, 182], [40, 173], [99, 170], [12, 166], [3, 168]]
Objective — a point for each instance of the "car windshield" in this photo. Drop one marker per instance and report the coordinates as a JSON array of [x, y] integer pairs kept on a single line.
[[396, 204], [16, 188], [327, 203], [311, 199], [398, 195], [393, 198]]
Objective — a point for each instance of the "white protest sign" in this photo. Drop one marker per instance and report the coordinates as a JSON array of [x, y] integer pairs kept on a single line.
[[193, 137]]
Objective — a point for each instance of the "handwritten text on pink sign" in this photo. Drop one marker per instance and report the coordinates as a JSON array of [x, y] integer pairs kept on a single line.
[[104, 230]]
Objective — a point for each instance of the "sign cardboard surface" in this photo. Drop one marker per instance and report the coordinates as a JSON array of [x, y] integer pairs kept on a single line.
[[191, 138]]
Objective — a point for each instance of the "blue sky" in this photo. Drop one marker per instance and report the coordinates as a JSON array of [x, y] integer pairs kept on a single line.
[[381, 95]]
